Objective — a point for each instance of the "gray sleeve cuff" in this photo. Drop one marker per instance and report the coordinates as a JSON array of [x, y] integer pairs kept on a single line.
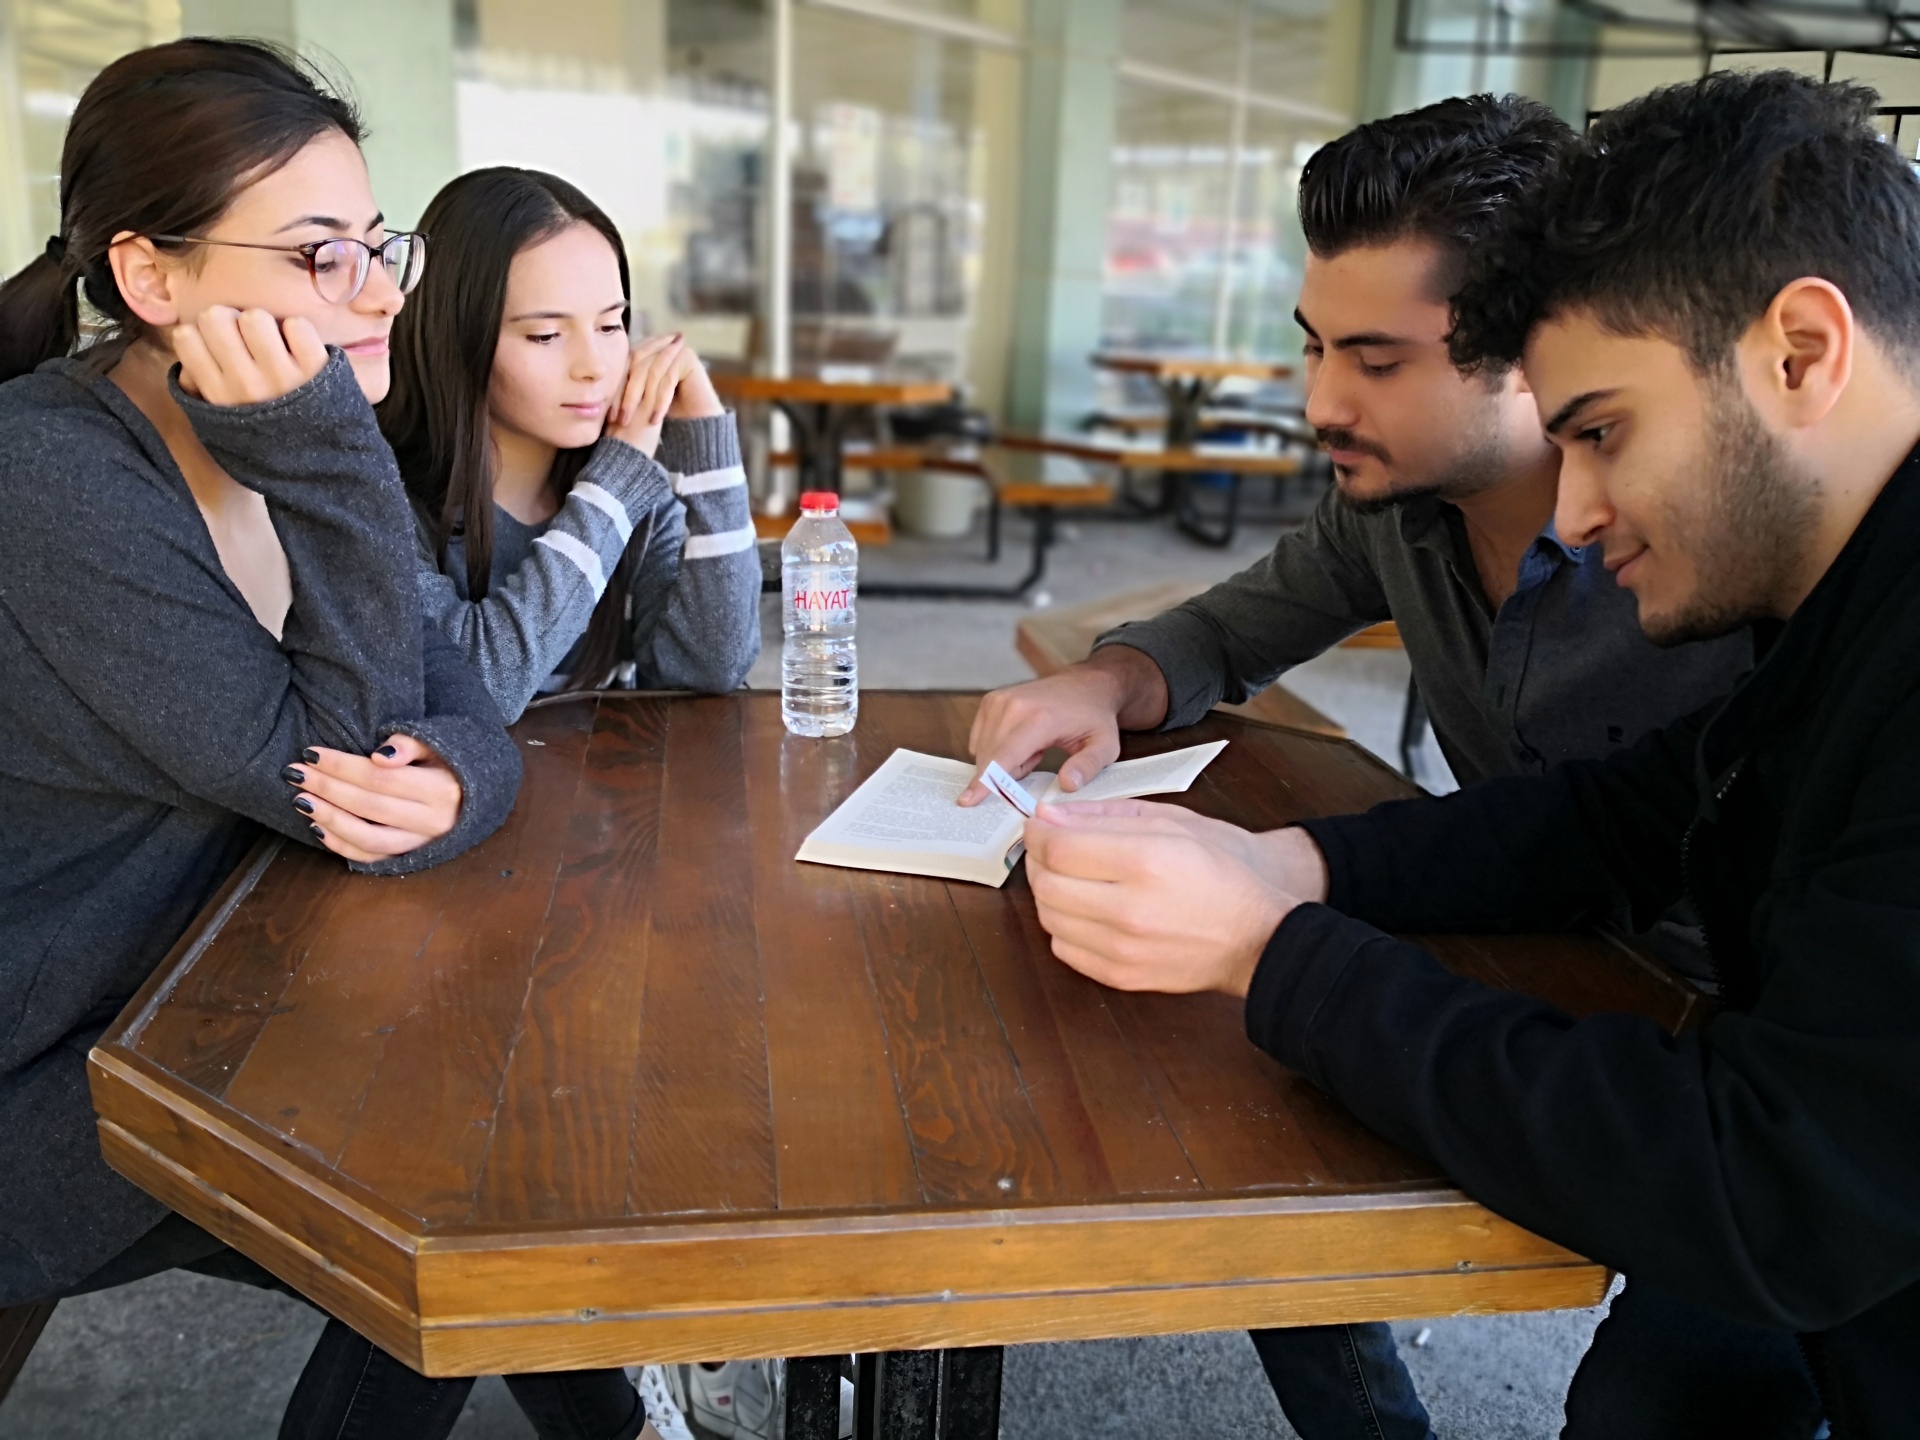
[[638, 482], [1178, 644], [693, 447]]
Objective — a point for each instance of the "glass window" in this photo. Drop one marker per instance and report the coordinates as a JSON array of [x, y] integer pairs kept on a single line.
[[890, 179], [1195, 37], [1269, 249], [1166, 218], [658, 110], [48, 53]]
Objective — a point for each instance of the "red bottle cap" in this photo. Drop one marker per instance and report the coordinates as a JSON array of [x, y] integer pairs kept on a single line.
[[819, 502]]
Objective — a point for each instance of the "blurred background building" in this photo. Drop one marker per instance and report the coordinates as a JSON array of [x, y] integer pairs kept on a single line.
[[978, 190]]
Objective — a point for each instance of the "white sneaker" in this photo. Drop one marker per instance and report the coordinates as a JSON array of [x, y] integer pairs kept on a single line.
[[743, 1399], [739, 1401], [662, 1410]]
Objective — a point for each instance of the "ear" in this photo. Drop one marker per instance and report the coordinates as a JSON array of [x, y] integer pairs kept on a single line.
[[146, 279], [1798, 357]]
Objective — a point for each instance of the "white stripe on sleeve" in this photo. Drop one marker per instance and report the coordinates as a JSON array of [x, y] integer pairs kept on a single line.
[[603, 501], [582, 556], [723, 479], [727, 542]]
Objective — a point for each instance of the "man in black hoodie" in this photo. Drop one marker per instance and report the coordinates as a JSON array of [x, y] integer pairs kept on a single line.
[[1718, 309]]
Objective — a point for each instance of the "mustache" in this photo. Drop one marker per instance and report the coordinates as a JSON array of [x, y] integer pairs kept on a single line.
[[1334, 438]]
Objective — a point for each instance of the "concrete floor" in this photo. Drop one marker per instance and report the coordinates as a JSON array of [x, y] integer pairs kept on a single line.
[[180, 1357]]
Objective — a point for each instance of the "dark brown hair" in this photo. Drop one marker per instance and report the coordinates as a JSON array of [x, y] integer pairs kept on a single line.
[[435, 416], [159, 144]]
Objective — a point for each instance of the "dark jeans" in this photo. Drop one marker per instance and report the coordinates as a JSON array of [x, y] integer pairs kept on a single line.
[[353, 1390], [1658, 1369], [1342, 1382]]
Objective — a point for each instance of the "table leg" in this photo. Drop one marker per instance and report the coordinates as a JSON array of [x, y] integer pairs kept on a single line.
[[1185, 400], [816, 443], [897, 1396], [970, 1395], [928, 1395], [813, 1397], [1044, 534]]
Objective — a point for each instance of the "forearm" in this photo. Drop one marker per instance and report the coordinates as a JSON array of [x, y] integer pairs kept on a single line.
[[1699, 1163], [703, 631], [519, 633], [1129, 682], [463, 727], [351, 630], [1315, 588]]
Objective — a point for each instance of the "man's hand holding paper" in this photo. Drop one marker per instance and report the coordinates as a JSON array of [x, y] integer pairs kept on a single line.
[[1144, 896]]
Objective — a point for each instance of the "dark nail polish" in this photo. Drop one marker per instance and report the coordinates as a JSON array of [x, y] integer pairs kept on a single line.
[[387, 750], [318, 833], [303, 804], [294, 775], [311, 756]]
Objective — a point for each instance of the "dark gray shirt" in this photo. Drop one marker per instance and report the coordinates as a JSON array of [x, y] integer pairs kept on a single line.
[[1562, 670], [145, 716]]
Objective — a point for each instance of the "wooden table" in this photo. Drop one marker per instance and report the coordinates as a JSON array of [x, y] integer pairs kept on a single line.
[[1188, 382], [627, 1083], [1174, 464], [819, 409]]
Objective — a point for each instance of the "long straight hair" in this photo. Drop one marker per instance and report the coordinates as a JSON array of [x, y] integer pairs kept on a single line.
[[159, 144], [435, 416]]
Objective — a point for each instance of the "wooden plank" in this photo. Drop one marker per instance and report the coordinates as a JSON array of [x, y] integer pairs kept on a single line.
[[811, 390], [216, 1010], [437, 1078], [702, 1130], [839, 1125], [1170, 1243], [561, 1142], [1190, 367], [600, 1340], [1106, 1129], [975, 1133], [20, 1327]]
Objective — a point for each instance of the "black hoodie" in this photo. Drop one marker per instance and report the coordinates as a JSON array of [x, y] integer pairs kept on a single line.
[[1766, 1166]]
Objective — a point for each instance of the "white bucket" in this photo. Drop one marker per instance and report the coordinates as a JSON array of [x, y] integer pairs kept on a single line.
[[934, 505]]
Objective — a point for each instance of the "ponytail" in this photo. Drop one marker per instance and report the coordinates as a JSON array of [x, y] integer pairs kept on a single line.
[[39, 312]]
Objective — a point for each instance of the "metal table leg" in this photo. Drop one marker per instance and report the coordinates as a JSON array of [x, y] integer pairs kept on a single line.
[[813, 1397], [1043, 538], [928, 1395], [817, 432], [1413, 727]]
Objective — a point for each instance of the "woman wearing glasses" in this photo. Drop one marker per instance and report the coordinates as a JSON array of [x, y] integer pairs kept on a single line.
[[210, 627], [583, 513]]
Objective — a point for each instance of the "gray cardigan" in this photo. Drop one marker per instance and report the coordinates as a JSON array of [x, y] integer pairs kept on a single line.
[[694, 606], [145, 716]]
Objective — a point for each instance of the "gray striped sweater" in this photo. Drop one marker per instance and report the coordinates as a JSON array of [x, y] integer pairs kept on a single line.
[[694, 606]]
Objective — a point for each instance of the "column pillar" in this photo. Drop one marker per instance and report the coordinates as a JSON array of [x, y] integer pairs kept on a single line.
[[394, 57], [1068, 108]]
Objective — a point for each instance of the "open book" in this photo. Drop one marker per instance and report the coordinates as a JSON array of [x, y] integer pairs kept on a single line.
[[903, 817]]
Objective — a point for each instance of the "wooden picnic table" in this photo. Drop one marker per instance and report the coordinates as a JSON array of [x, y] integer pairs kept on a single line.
[[627, 1083], [819, 408], [1188, 381]]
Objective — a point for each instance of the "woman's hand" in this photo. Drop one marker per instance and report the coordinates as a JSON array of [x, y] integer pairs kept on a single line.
[[242, 357], [375, 806], [651, 377]]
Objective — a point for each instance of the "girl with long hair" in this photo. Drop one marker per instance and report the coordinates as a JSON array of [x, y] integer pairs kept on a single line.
[[210, 629], [581, 506]]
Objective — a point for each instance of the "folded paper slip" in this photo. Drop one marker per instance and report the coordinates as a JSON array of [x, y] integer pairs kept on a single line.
[[903, 817]]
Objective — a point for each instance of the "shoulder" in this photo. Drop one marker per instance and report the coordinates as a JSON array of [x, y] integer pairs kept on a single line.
[[58, 429]]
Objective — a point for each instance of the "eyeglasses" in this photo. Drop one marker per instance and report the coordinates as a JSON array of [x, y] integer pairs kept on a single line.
[[340, 267]]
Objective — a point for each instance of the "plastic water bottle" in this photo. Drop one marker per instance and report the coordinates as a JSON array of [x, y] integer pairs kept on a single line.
[[819, 672]]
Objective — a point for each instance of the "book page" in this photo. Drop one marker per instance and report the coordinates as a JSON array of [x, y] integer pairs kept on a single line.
[[909, 804], [1150, 775]]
